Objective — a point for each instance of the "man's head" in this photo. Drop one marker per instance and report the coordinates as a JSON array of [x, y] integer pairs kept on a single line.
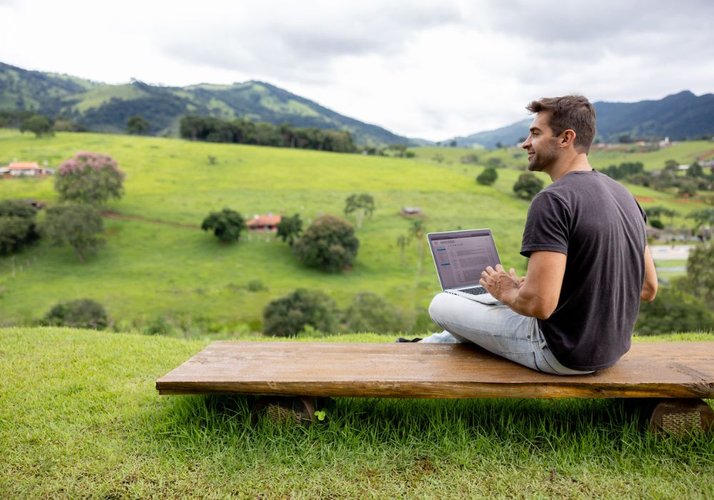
[[560, 121], [572, 112]]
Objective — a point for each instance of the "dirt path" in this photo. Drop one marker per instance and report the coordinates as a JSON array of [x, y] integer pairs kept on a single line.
[[110, 214]]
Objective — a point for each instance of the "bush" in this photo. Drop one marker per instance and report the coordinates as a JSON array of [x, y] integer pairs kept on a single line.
[[527, 186], [226, 225], [328, 244], [82, 313], [487, 177], [371, 313], [673, 311], [90, 178], [17, 226], [289, 315]]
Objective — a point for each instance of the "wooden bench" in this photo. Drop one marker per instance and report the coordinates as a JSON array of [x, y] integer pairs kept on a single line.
[[673, 377]]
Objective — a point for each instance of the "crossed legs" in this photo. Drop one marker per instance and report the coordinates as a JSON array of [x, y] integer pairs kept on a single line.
[[497, 329]]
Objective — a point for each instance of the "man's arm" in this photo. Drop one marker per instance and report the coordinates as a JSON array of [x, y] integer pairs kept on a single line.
[[538, 295], [649, 286]]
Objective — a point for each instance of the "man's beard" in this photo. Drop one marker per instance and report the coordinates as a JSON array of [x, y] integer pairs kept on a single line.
[[541, 161]]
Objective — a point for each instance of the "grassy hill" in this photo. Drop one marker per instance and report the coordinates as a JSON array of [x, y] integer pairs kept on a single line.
[[158, 265], [106, 108], [79, 417]]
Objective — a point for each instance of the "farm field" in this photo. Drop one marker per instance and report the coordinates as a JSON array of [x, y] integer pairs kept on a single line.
[[157, 263]]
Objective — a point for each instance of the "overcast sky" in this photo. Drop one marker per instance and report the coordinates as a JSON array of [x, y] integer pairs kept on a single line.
[[421, 68]]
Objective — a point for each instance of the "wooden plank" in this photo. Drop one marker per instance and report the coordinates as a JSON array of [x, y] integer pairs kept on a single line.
[[662, 370]]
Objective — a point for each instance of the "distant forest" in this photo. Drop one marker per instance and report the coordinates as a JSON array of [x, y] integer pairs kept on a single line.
[[202, 128]]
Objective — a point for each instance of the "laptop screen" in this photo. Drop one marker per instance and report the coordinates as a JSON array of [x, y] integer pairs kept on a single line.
[[461, 256]]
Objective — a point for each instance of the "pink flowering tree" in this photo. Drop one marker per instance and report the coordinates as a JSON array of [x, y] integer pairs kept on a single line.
[[90, 178]]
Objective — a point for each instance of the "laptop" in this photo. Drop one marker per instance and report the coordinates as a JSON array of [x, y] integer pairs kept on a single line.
[[460, 257]]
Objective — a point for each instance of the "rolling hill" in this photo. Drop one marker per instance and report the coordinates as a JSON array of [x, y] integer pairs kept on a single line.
[[679, 116], [105, 108], [158, 267]]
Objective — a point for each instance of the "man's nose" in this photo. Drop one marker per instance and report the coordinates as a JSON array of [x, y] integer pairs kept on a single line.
[[526, 143]]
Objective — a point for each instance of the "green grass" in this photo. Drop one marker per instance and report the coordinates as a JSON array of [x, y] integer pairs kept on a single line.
[[79, 417], [157, 262]]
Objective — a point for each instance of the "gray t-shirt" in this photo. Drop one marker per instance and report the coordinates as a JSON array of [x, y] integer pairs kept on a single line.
[[598, 224]]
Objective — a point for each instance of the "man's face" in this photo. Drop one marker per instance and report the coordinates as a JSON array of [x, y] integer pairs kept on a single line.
[[541, 145]]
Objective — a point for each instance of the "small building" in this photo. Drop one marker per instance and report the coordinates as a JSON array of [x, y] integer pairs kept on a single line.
[[25, 169], [267, 222], [410, 212]]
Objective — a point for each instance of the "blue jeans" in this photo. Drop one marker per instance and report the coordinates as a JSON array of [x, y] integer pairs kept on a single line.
[[496, 328]]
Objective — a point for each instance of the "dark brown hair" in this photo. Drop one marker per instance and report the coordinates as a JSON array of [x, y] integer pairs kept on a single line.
[[569, 112]]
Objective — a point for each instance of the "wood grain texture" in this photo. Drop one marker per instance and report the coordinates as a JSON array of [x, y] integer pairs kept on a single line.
[[662, 370]]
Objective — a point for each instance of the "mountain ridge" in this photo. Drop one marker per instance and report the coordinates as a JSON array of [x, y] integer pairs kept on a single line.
[[679, 116], [106, 107]]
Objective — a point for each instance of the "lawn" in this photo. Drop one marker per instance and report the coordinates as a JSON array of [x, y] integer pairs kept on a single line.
[[79, 417]]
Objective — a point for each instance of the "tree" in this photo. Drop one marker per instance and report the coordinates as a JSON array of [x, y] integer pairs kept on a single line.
[[371, 313], [82, 313], [289, 315], [226, 225], [417, 232], [328, 244], [654, 214], [704, 217], [137, 125], [289, 229], [38, 125], [76, 225], [700, 273], [487, 177], [18, 228], [90, 178], [527, 186], [361, 204]]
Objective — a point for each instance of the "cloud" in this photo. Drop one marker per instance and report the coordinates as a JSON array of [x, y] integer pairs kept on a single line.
[[429, 68], [302, 41]]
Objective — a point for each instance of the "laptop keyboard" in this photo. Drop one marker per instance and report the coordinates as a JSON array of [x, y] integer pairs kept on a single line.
[[477, 290]]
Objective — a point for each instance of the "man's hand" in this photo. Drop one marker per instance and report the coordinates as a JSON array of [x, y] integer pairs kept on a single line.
[[503, 286], [536, 296]]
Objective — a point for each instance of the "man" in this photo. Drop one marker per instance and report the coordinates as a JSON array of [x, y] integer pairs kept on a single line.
[[589, 264]]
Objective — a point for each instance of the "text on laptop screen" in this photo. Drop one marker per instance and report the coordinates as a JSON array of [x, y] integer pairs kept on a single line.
[[461, 259]]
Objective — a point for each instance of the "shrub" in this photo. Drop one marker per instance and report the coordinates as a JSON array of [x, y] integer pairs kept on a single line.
[[256, 286], [226, 225], [371, 313], [527, 186], [17, 226], [487, 177], [90, 178], [673, 311], [328, 244], [289, 315], [82, 313]]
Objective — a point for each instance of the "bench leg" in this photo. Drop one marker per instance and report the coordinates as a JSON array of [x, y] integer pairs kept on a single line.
[[680, 416], [298, 409]]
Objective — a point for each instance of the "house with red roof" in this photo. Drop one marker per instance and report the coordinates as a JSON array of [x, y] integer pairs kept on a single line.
[[266, 222], [24, 169]]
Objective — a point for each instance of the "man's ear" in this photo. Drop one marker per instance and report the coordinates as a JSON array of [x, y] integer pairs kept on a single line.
[[567, 138]]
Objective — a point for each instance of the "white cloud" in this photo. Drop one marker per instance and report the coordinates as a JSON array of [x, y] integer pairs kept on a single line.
[[422, 68]]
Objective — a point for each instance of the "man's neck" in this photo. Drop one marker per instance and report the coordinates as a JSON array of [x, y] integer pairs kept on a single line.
[[576, 163]]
